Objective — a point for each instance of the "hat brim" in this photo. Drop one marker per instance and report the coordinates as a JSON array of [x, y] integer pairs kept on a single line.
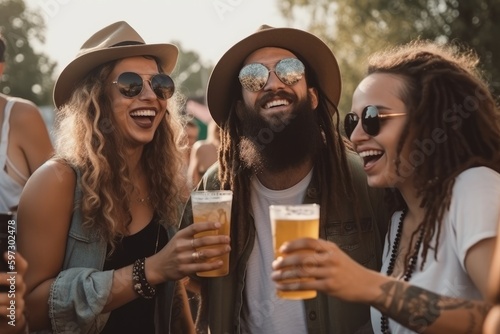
[[82, 65], [304, 45]]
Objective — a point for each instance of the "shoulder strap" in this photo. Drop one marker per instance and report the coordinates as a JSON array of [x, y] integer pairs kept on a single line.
[[5, 131]]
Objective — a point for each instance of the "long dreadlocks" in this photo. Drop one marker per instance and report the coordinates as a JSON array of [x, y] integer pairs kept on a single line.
[[443, 90], [331, 166]]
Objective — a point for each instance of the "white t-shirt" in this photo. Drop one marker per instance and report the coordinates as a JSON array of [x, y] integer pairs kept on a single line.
[[266, 313], [473, 216]]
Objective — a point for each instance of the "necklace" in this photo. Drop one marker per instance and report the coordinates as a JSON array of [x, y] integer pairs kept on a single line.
[[384, 323], [157, 237], [139, 199]]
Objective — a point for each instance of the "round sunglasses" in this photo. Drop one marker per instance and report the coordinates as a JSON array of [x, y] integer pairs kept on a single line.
[[370, 120], [253, 77], [131, 84]]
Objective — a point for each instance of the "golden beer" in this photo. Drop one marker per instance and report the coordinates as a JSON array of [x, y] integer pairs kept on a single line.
[[213, 206], [289, 223]]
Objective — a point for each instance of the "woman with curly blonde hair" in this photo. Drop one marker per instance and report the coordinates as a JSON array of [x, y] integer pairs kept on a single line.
[[97, 222]]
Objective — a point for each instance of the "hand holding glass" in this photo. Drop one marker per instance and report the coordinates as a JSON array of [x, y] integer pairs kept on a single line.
[[213, 206], [290, 222]]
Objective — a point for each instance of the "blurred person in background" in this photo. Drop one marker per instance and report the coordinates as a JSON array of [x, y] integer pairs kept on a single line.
[[204, 153], [24, 143]]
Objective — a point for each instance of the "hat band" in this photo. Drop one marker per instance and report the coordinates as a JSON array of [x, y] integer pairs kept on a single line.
[[127, 43]]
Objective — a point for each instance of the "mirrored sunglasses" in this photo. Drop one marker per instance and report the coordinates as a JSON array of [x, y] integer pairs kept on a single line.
[[253, 77], [370, 120], [130, 85]]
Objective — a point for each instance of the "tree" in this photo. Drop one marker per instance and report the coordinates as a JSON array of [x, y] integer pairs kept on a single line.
[[354, 29], [190, 74], [28, 74]]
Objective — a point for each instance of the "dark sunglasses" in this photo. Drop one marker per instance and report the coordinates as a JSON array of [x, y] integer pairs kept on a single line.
[[253, 77], [130, 84], [370, 120]]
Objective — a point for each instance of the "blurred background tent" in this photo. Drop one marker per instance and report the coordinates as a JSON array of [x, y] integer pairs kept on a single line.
[[197, 108]]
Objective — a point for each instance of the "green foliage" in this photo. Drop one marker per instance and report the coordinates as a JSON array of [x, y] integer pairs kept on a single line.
[[190, 74], [27, 74], [355, 28]]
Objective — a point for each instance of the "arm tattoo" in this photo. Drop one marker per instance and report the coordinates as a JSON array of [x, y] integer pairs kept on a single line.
[[417, 308]]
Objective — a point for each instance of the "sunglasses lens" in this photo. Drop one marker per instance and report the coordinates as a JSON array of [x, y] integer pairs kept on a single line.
[[253, 77], [370, 120], [163, 86], [350, 122], [129, 84], [290, 70]]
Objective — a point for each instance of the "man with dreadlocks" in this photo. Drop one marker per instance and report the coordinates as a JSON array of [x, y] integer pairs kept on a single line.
[[428, 128], [274, 95]]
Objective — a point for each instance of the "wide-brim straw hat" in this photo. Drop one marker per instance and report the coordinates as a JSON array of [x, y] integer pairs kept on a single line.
[[309, 48], [116, 41]]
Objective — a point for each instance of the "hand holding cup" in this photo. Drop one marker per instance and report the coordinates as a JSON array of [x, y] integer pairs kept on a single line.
[[290, 222], [212, 206]]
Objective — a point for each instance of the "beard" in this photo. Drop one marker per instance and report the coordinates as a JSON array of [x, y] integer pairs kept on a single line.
[[281, 141]]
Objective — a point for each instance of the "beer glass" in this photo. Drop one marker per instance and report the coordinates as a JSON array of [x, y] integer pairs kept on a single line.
[[213, 206], [289, 222]]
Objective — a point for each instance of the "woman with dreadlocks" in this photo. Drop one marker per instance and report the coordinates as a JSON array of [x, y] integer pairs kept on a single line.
[[428, 129]]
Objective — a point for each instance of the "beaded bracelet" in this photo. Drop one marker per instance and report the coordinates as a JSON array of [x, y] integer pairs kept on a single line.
[[141, 284]]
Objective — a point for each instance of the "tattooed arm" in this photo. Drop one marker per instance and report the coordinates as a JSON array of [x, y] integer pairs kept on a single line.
[[492, 323], [425, 311], [421, 310]]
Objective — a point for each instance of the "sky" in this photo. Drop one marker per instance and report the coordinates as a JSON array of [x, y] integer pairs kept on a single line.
[[207, 27]]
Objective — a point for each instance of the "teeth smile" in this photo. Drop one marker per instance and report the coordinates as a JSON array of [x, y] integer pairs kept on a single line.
[[276, 103], [370, 153], [147, 113]]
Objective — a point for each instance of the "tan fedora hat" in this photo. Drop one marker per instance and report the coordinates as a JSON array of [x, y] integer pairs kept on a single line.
[[318, 56], [116, 41]]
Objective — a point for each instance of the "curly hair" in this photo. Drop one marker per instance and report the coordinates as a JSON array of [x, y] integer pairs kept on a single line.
[[453, 122], [86, 140], [331, 165]]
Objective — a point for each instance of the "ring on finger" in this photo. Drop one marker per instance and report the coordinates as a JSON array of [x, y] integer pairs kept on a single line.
[[196, 256]]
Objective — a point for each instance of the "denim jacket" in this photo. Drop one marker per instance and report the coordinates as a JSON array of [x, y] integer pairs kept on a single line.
[[80, 291], [223, 297]]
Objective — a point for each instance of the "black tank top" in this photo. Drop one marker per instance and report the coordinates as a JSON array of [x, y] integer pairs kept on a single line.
[[136, 316]]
